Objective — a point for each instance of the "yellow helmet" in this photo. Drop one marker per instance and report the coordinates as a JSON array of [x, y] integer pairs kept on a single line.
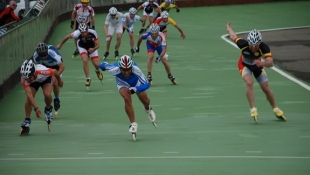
[[85, 1]]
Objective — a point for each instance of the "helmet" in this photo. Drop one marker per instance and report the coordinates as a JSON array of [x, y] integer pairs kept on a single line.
[[168, 1], [27, 69], [83, 27], [85, 1], [42, 49], [132, 10], [125, 62], [164, 14], [113, 11], [254, 37], [154, 28]]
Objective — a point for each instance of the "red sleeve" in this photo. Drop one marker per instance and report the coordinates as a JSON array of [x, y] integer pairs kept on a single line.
[[5, 12], [14, 16], [158, 20]]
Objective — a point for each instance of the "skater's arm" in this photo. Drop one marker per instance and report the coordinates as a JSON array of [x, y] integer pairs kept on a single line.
[[73, 15], [61, 68], [105, 29], [30, 97], [63, 41], [231, 33], [139, 41], [163, 52], [93, 22], [181, 31], [57, 75]]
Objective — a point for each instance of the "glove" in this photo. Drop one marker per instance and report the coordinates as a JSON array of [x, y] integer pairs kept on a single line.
[[137, 49], [93, 27], [107, 38], [178, 10], [133, 90], [72, 24], [157, 60]]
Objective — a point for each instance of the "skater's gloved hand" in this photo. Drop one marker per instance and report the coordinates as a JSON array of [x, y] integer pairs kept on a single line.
[[38, 112], [137, 49], [132, 90], [178, 10], [157, 60], [107, 38], [93, 27], [72, 24]]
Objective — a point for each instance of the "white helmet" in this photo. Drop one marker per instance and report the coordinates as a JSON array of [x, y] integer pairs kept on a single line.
[[125, 62], [254, 37], [168, 1], [154, 28], [113, 11], [164, 14], [83, 27], [42, 49], [132, 10], [27, 69]]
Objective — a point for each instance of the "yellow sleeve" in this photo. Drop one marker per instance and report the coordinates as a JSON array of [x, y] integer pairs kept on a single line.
[[162, 5], [172, 22], [172, 6]]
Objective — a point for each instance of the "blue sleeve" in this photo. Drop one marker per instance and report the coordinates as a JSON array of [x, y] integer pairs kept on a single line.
[[105, 66], [145, 35], [143, 87]]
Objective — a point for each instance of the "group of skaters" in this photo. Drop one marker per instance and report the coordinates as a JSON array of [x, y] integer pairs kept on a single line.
[[46, 67]]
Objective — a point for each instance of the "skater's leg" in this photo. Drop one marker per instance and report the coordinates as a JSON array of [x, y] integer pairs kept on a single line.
[[144, 99], [85, 64], [128, 103]]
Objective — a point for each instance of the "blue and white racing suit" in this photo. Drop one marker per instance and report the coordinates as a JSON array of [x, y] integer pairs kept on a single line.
[[52, 60], [136, 79]]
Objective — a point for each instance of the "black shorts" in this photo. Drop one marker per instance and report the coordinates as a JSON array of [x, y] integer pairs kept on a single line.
[[77, 25], [163, 28], [36, 85]]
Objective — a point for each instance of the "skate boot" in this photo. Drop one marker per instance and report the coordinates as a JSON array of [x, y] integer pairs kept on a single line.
[[49, 117], [142, 30], [254, 114], [75, 53], [133, 53], [116, 54], [133, 128], [25, 127], [149, 78], [99, 75], [151, 115], [57, 106], [279, 114], [106, 54], [87, 83], [172, 78]]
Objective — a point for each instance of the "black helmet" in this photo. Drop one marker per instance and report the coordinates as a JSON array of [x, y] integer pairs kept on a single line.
[[42, 49]]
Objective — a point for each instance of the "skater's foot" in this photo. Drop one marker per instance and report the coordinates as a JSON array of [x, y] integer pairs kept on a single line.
[[133, 128], [75, 53], [279, 113], [49, 116], [87, 83], [254, 114], [116, 54], [149, 79], [133, 52], [57, 106], [25, 127], [172, 78], [106, 54]]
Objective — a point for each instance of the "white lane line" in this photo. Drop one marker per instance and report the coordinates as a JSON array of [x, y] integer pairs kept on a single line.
[[257, 152], [171, 152], [75, 125], [305, 137], [156, 157], [94, 153], [16, 154], [224, 37], [193, 97]]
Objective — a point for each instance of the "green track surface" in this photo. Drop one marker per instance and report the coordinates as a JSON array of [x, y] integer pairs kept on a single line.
[[204, 125]]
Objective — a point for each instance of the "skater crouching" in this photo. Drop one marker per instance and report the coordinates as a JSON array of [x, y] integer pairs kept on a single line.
[[130, 80], [32, 77]]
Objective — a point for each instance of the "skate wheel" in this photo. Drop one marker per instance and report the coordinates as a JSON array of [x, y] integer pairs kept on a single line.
[[24, 131], [134, 136], [154, 124], [255, 119], [281, 118], [56, 114], [49, 127]]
